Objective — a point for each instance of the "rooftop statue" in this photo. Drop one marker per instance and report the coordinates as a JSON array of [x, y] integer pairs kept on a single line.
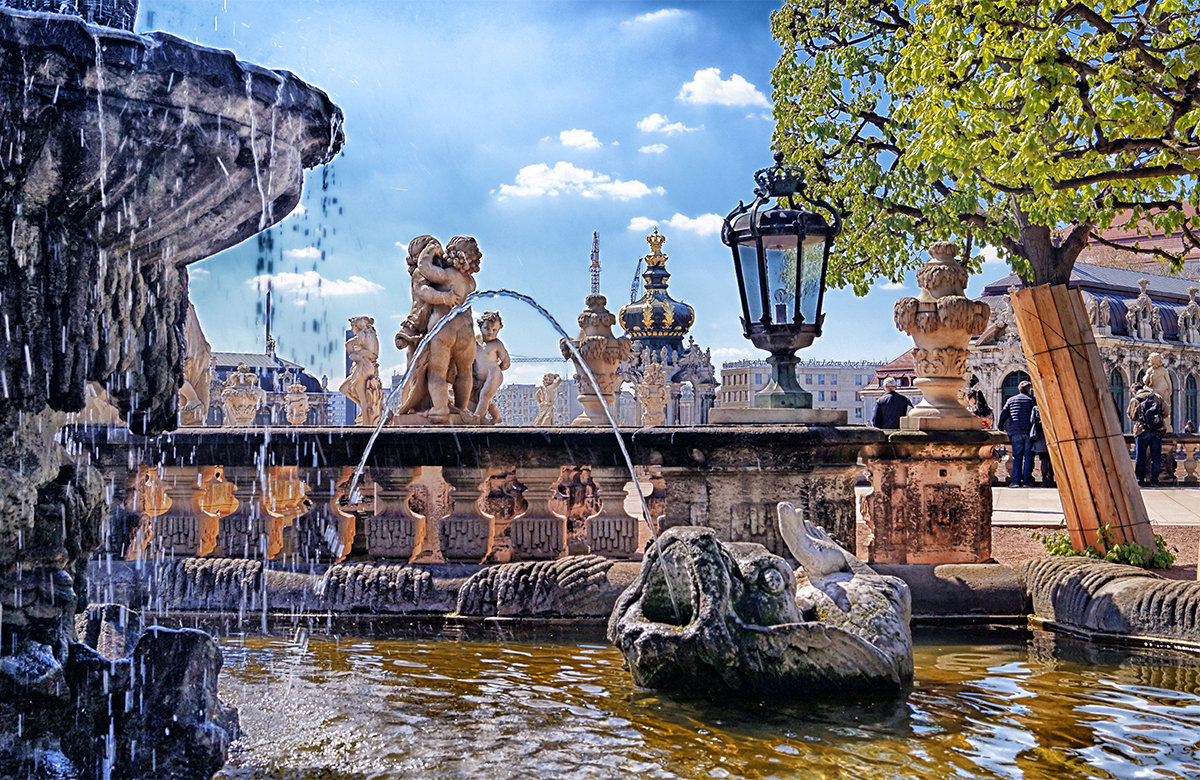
[[714, 617], [363, 386]]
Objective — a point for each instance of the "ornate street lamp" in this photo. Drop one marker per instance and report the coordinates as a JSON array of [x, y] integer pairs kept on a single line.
[[780, 255]]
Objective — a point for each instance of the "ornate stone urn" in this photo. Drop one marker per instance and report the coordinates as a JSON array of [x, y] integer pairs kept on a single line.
[[601, 352], [242, 396], [297, 403], [941, 320]]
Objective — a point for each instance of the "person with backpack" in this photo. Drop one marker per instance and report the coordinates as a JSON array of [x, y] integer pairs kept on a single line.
[[1016, 419], [1146, 409]]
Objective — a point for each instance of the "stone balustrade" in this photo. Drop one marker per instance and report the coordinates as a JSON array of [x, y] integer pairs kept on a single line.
[[465, 494], [1180, 461]]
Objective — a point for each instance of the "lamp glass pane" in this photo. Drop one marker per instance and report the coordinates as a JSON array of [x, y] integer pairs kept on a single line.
[[781, 278], [812, 259], [748, 259]]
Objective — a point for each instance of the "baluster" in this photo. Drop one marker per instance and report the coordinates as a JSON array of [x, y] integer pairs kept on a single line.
[[501, 500], [429, 502], [147, 499], [391, 529], [464, 533], [1189, 464], [538, 534], [574, 499], [652, 484], [613, 533], [212, 499]]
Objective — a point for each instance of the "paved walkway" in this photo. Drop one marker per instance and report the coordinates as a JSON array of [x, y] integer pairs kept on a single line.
[[1037, 506]]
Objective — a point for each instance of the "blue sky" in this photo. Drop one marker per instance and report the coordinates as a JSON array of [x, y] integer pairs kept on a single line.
[[528, 125]]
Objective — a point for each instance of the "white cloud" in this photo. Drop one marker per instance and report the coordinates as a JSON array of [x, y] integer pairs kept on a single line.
[[653, 149], [195, 273], [657, 123], [655, 16], [703, 225], [708, 87], [298, 211], [890, 286], [642, 224], [565, 178], [579, 139], [312, 284], [304, 253], [729, 354]]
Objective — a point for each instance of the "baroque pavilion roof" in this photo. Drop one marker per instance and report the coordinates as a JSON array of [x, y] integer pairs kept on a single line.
[[656, 319], [1119, 289]]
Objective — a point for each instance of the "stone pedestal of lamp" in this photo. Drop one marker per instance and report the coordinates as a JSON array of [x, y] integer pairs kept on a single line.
[[601, 352]]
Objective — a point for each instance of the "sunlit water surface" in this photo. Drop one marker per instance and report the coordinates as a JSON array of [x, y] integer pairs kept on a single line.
[[994, 705]]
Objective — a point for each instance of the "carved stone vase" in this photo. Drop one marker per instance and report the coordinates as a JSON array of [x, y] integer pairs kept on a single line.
[[941, 321], [242, 396], [601, 352], [297, 404]]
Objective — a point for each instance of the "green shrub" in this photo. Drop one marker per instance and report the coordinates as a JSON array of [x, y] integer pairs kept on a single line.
[[1159, 557]]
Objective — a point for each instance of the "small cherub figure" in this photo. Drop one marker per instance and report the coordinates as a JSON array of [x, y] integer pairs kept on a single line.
[[545, 397], [491, 361], [416, 324]]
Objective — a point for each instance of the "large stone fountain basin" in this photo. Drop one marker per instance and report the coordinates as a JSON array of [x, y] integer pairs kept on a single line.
[[171, 149]]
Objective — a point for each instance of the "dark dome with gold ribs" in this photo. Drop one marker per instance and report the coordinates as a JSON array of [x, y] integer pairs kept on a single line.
[[657, 320]]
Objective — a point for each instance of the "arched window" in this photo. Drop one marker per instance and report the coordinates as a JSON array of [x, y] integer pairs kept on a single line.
[[1189, 399], [1116, 386], [1011, 384]]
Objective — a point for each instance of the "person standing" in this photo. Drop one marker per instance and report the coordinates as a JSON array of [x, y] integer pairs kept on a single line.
[[1016, 419], [1037, 435], [1147, 410], [891, 407]]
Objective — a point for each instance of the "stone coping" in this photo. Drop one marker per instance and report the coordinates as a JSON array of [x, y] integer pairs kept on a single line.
[[784, 447], [1098, 601]]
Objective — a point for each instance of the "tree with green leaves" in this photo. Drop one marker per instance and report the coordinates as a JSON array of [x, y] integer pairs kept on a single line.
[[1028, 125]]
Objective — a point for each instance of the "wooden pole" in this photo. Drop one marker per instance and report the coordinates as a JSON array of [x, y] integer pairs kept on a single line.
[[1083, 433]]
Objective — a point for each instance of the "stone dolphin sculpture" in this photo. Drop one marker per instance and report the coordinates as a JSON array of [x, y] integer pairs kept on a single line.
[[705, 616]]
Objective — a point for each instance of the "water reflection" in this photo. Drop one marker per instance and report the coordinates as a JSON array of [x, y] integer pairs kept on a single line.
[[982, 706]]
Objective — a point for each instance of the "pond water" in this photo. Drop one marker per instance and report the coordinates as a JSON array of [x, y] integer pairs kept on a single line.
[[995, 704]]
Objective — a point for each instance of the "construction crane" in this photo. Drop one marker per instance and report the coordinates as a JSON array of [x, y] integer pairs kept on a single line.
[[595, 263], [528, 359], [636, 288]]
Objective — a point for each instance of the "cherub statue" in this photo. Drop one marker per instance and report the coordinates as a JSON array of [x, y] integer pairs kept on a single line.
[[416, 324], [491, 361], [363, 386], [545, 397], [447, 279], [1158, 379]]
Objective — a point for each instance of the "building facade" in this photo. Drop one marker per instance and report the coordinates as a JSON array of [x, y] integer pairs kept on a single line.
[[834, 384], [1132, 314]]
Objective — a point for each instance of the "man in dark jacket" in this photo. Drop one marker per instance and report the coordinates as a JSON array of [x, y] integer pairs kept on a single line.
[[1016, 418], [891, 407]]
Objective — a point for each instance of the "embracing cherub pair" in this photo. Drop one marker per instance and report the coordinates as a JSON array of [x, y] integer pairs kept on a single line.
[[442, 278]]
